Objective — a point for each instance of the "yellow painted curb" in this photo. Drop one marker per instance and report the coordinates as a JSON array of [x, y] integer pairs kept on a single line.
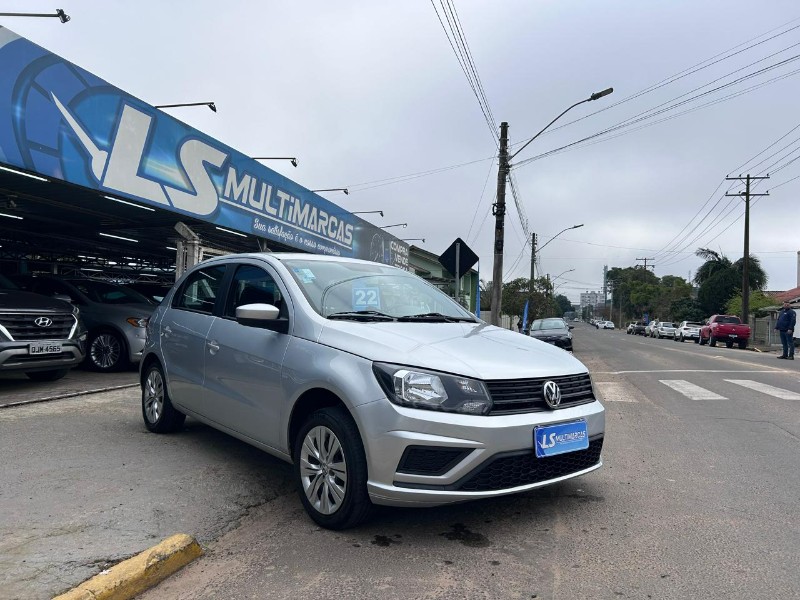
[[139, 573]]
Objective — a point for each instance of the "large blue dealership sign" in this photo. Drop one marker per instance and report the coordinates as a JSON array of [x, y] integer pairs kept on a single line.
[[63, 122]]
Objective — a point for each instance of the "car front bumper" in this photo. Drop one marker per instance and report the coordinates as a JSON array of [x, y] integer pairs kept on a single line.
[[491, 455], [14, 356]]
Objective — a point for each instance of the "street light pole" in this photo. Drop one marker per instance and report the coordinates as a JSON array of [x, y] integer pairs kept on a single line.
[[499, 208]]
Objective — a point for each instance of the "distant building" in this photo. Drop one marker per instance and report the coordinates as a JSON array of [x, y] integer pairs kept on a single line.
[[591, 299]]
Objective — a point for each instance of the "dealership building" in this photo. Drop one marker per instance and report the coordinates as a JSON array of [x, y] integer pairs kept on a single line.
[[96, 182]]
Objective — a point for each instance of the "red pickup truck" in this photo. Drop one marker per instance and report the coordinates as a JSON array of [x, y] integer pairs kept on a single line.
[[725, 328]]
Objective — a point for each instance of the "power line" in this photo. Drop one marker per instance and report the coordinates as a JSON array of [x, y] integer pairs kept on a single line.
[[460, 51], [478, 205], [368, 185], [650, 113], [686, 72]]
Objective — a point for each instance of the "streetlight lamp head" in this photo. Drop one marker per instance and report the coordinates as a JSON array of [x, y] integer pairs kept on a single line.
[[576, 226], [62, 16], [598, 95], [212, 106], [347, 193], [294, 162]]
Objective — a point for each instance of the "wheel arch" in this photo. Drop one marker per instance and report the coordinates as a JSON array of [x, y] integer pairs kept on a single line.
[[308, 402]]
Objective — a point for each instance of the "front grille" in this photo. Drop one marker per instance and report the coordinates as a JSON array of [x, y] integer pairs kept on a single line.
[[22, 328], [513, 396], [430, 460], [504, 472]]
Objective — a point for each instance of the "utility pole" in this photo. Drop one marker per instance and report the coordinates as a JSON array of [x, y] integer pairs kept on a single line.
[[746, 262], [533, 261], [605, 286], [645, 262], [499, 212]]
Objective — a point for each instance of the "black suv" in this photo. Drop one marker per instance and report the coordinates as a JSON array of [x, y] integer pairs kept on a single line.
[[39, 336]]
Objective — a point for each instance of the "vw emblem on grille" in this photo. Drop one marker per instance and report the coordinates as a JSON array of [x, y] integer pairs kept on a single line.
[[552, 394], [43, 321]]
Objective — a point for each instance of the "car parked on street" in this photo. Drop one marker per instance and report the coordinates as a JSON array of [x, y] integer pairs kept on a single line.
[[553, 331], [377, 386], [115, 316], [724, 328], [688, 330], [605, 325], [639, 328], [39, 336], [664, 329]]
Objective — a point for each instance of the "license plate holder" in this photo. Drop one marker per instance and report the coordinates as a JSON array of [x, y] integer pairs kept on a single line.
[[550, 440], [38, 348]]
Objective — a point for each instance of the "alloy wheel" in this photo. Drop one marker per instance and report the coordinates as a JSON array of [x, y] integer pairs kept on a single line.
[[323, 470], [153, 396], [105, 351]]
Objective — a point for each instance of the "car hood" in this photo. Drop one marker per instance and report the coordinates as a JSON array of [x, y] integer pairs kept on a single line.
[[20, 301], [471, 349]]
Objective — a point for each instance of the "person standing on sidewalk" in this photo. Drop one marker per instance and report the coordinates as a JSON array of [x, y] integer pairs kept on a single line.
[[785, 325]]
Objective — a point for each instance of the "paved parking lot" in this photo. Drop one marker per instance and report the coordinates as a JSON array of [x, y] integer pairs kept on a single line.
[[16, 387]]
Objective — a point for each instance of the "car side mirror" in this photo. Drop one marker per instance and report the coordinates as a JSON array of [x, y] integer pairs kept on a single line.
[[263, 316]]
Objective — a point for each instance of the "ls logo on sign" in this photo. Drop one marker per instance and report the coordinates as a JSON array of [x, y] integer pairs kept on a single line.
[[118, 170]]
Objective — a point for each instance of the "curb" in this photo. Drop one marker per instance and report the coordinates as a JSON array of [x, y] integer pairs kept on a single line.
[[133, 576], [69, 395]]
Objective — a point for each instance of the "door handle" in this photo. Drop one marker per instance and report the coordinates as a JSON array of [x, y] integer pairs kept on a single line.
[[213, 347]]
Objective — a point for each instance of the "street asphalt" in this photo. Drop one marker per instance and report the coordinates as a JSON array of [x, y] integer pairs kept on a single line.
[[698, 498]]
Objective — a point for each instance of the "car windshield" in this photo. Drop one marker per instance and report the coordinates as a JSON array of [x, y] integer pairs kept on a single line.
[[7, 284], [548, 324], [109, 293], [344, 289]]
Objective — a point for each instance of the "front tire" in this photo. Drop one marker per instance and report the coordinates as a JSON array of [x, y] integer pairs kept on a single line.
[[53, 375], [106, 351], [331, 469], [702, 341], [157, 410], [712, 341], [680, 339]]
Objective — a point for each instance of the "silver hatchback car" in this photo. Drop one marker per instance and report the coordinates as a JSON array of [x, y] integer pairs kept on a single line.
[[378, 387]]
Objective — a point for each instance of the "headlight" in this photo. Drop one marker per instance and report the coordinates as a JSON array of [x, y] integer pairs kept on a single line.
[[433, 391], [137, 321]]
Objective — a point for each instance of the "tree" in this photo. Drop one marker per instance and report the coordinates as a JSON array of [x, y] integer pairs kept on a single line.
[[687, 309], [564, 305], [720, 279], [758, 302], [486, 295]]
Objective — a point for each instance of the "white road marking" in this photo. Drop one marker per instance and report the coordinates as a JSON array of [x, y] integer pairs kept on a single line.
[[614, 391], [771, 371], [690, 390], [766, 389]]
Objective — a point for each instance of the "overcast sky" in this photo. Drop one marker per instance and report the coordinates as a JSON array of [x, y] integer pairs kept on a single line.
[[363, 92]]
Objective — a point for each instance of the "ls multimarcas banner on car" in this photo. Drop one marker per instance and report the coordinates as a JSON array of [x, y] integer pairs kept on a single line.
[[61, 121]]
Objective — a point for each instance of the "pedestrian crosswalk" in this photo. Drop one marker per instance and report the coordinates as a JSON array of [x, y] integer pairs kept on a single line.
[[696, 392], [621, 391]]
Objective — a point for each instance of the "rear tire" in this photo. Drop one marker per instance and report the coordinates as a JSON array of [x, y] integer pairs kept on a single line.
[[53, 375], [330, 468], [742, 344], [157, 410], [729, 344]]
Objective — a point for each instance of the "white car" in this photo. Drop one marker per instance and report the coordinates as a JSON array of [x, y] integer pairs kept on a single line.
[[688, 330], [605, 325], [664, 329]]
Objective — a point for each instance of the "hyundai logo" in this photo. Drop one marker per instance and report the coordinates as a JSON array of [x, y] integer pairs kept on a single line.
[[552, 394], [43, 321]]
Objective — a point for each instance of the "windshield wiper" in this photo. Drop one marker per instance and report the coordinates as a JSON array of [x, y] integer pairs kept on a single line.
[[435, 317], [361, 315]]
